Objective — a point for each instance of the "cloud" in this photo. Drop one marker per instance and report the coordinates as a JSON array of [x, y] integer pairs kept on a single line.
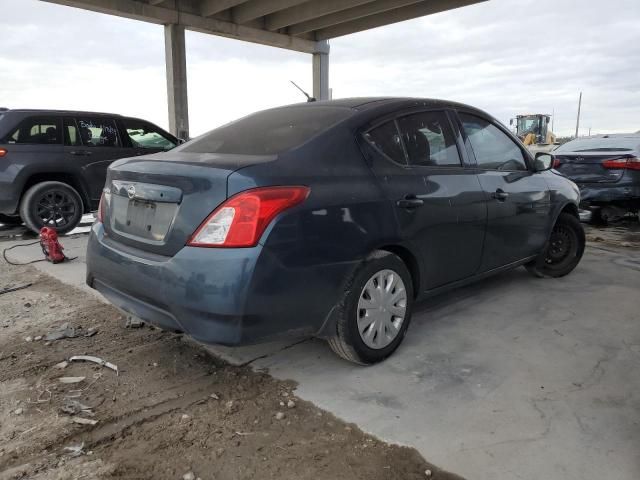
[[530, 56]]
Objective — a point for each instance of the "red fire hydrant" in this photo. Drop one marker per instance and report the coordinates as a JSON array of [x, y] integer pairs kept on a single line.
[[51, 246]]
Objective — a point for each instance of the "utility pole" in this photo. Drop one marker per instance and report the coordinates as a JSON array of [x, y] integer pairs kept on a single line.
[[578, 119], [553, 119]]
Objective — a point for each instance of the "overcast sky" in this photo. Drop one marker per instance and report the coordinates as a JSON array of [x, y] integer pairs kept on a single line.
[[504, 56]]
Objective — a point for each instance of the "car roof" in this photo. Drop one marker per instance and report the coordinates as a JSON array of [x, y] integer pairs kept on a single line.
[[610, 135], [60, 112], [366, 103]]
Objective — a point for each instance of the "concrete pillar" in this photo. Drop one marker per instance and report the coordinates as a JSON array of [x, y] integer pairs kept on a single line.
[[176, 63], [321, 71]]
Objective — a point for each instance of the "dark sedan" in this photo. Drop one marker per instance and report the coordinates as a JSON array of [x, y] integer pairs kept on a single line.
[[607, 170], [328, 219]]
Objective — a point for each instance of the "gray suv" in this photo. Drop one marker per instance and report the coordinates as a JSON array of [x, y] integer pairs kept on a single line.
[[53, 164]]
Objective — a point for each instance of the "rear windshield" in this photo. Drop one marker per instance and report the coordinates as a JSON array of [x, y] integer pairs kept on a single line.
[[600, 144], [268, 132]]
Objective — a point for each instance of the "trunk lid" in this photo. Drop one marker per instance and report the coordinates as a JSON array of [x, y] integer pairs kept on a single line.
[[587, 167], [155, 203]]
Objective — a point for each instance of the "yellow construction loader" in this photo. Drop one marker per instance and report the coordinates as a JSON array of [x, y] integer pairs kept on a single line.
[[534, 132]]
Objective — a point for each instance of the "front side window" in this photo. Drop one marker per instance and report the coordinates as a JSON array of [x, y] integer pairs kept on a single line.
[[36, 130], [144, 135], [429, 140], [386, 138], [98, 132], [493, 149]]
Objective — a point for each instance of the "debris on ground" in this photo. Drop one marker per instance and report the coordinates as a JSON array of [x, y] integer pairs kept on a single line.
[[18, 411], [83, 421], [133, 322], [71, 379], [98, 360], [91, 331], [64, 331], [73, 407], [279, 415], [75, 450], [291, 404], [62, 365], [9, 289], [188, 476]]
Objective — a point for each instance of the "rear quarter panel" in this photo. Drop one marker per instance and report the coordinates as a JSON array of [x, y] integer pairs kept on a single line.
[[318, 243]]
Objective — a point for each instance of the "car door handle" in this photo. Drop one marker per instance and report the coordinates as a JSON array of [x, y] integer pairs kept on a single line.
[[410, 201], [500, 195], [80, 152]]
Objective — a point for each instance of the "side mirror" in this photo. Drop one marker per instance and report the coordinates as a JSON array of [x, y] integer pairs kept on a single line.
[[543, 161], [181, 141]]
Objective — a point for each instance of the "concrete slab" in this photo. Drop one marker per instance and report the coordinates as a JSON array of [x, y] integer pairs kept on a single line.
[[513, 378]]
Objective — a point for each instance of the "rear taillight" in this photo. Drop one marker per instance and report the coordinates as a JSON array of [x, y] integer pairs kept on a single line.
[[3, 152], [632, 163], [241, 220]]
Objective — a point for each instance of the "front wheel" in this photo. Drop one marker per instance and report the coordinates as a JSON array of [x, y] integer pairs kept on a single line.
[[563, 251], [375, 311]]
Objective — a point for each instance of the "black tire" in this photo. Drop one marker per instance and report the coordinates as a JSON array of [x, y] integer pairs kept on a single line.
[[51, 204], [563, 250], [347, 341], [10, 219]]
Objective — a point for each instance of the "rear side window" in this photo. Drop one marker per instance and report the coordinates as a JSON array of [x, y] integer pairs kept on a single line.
[[145, 135], [386, 138], [268, 132], [429, 141], [98, 132], [71, 136], [36, 130], [493, 149]]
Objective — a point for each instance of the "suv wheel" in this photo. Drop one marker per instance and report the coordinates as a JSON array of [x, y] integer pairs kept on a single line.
[[10, 219], [564, 249], [51, 204], [375, 311]]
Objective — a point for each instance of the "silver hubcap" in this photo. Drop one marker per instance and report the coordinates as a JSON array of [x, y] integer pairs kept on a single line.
[[381, 309]]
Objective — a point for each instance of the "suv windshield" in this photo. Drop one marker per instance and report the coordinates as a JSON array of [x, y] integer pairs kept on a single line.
[[601, 144], [268, 132]]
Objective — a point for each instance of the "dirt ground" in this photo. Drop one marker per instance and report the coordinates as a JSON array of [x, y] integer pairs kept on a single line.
[[172, 412], [624, 233]]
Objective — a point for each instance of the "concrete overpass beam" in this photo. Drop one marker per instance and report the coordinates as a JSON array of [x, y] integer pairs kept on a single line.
[[176, 63]]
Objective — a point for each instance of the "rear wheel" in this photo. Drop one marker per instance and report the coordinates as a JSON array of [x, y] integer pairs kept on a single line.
[[51, 204], [10, 219], [564, 249], [375, 311]]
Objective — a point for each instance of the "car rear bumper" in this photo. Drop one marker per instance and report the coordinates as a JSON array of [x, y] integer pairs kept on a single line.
[[9, 198], [218, 296], [593, 194]]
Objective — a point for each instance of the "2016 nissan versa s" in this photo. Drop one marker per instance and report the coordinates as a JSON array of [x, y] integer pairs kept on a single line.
[[328, 219]]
